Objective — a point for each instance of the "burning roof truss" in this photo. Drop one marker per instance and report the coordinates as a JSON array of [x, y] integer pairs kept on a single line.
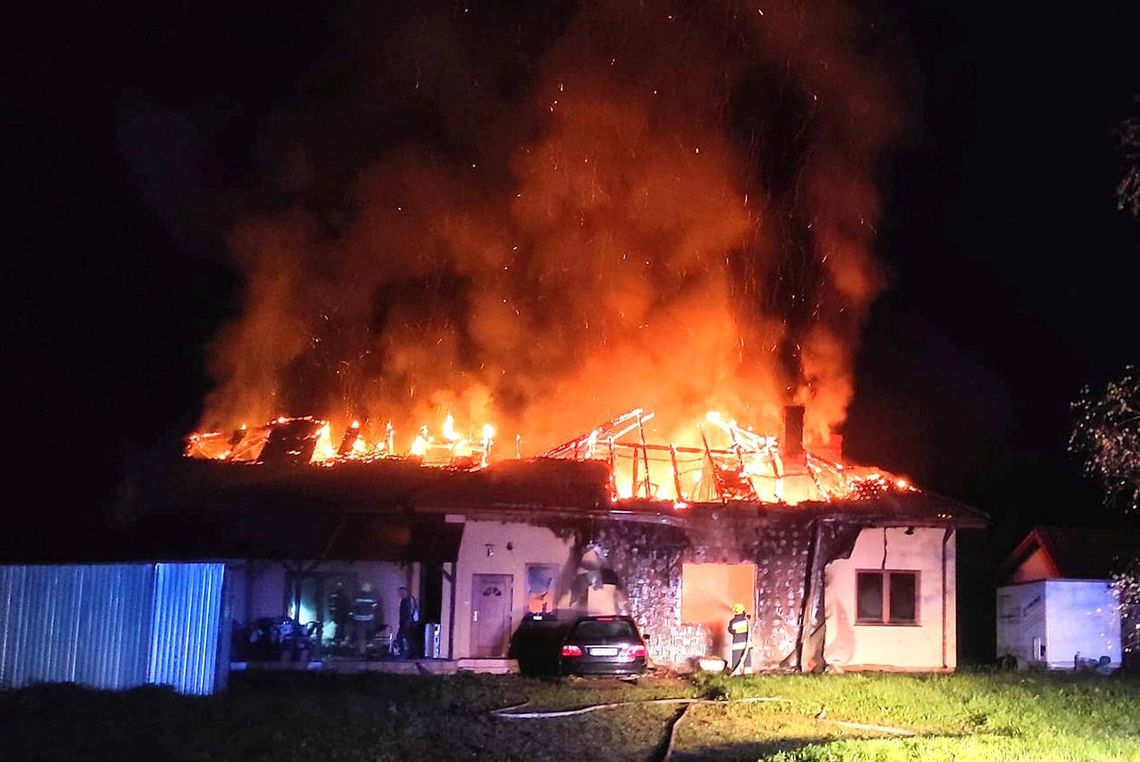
[[749, 469], [305, 440], [730, 463]]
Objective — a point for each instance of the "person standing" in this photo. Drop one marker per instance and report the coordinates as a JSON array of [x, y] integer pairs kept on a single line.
[[363, 618], [741, 646], [409, 618]]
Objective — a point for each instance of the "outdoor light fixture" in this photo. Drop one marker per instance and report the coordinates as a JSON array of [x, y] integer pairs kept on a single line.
[[490, 549]]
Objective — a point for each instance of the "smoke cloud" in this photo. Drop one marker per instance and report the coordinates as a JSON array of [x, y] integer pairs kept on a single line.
[[546, 216]]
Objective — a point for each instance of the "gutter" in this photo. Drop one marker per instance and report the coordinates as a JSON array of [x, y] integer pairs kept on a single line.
[[945, 539], [812, 587]]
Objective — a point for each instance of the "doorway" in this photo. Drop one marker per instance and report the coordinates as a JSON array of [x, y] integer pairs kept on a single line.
[[491, 596]]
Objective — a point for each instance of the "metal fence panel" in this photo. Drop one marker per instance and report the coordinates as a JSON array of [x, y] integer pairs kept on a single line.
[[110, 625], [184, 643]]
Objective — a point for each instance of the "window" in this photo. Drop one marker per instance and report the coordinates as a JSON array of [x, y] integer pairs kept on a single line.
[[604, 630], [541, 591], [1008, 608], [886, 597]]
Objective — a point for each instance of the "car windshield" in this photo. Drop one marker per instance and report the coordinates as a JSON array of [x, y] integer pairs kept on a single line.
[[604, 630]]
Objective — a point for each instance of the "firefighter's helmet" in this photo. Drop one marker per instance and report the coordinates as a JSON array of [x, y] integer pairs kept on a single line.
[[738, 608]]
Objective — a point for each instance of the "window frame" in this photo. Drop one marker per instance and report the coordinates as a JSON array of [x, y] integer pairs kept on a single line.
[[885, 618]]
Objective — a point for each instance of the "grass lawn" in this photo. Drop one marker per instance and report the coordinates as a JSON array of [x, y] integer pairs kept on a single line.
[[298, 716]]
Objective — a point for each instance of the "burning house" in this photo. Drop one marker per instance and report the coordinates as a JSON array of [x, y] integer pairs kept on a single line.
[[839, 566], [639, 208]]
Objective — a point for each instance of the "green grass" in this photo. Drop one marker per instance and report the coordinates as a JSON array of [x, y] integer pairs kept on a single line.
[[962, 716], [297, 716]]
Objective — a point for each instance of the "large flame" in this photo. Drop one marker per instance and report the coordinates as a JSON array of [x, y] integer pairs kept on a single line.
[[668, 205]]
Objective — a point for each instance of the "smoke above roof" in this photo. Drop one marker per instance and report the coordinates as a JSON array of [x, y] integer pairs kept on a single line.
[[544, 216]]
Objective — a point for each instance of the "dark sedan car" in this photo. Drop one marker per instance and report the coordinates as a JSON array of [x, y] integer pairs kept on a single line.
[[603, 645]]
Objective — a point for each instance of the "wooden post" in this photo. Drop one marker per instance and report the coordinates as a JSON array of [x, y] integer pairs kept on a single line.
[[712, 466], [736, 446], [613, 468], [633, 480], [645, 456], [676, 471]]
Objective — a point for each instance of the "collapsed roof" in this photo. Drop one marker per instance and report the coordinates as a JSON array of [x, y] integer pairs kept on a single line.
[[722, 461]]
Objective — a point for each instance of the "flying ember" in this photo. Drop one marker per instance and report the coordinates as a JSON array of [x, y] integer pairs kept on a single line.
[[539, 247]]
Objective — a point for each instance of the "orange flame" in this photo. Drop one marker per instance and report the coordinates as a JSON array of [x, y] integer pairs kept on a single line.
[[580, 244]]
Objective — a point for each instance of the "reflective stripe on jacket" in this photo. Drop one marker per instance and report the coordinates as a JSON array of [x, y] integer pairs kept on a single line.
[[738, 626]]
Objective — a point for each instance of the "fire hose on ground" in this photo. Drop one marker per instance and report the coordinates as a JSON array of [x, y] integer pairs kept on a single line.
[[508, 711], [511, 712]]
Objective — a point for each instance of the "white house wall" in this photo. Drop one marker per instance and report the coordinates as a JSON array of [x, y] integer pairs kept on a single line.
[[929, 645], [1082, 617], [1020, 619], [527, 545]]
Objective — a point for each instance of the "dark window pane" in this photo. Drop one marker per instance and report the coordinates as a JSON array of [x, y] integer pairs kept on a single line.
[[869, 594], [904, 597]]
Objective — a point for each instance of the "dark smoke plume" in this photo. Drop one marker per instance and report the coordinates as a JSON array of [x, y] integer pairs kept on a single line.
[[543, 216]]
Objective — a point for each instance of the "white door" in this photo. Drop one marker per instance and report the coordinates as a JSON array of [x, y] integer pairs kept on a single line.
[[490, 614]]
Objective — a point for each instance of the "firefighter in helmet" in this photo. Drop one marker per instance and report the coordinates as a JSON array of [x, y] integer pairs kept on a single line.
[[741, 645]]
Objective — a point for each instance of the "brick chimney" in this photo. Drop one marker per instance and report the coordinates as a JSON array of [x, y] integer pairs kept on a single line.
[[793, 442]]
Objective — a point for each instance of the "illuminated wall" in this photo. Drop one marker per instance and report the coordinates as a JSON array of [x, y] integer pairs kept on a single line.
[[931, 642], [1050, 623], [497, 547]]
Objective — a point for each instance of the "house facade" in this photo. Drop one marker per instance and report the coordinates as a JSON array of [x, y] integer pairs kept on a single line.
[[823, 591], [862, 578]]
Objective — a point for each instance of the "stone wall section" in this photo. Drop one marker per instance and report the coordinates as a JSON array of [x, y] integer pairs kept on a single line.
[[648, 559]]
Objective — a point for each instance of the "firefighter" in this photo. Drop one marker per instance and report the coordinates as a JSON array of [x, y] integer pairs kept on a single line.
[[741, 645], [363, 618]]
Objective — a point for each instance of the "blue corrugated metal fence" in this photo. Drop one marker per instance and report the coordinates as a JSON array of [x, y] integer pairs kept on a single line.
[[111, 625]]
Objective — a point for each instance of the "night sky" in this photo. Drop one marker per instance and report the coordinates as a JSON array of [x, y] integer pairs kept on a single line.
[[1011, 272]]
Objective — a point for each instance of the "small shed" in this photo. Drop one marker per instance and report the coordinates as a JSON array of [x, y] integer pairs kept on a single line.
[[1056, 606]]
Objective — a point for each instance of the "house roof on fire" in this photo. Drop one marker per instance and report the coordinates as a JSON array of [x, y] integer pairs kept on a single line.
[[397, 510], [535, 487]]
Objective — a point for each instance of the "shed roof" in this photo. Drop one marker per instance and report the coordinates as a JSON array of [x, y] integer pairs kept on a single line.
[[1075, 553]]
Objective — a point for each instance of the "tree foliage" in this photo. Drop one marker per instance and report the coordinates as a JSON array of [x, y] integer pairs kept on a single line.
[[1127, 584], [1128, 189], [1106, 435]]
